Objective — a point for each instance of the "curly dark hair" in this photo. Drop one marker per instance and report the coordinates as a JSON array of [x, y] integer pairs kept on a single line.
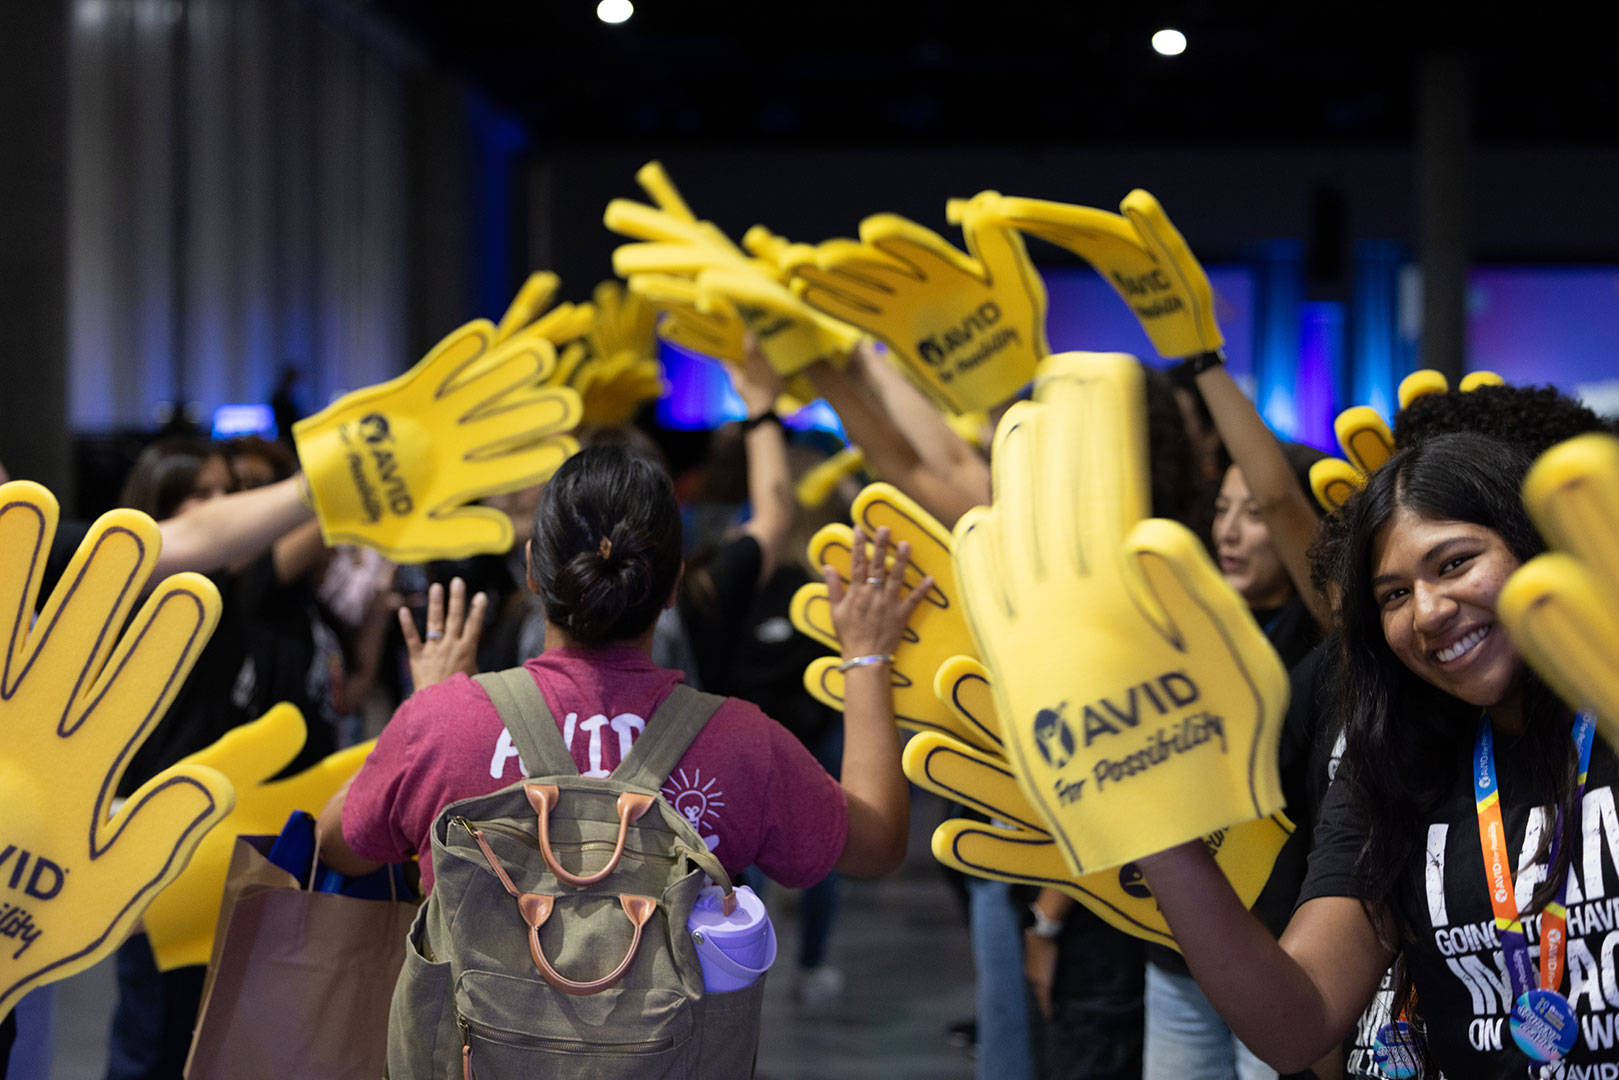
[[1536, 418], [1533, 418], [1179, 491]]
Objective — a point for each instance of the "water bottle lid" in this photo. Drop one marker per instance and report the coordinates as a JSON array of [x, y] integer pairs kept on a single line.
[[743, 924]]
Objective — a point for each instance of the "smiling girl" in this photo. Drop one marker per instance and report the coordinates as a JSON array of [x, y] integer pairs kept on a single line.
[[1457, 758]]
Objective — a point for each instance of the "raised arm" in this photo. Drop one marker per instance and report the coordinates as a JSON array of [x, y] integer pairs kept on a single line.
[[870, 614], [1286, 507], [1289, 1001], [770, 481], [941, 450], [888, 452]]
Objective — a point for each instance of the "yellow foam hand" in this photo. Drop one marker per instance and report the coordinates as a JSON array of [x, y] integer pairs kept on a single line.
[[395, 466], [1140, 703], [1140, 253], [717, 333], [967, 327], [792, 335], [715, 330], [816, 485], [936, 630], [182, 919], [1018, 848], [531, 313], [669, 221], [1367, 440], [79, 692], [1560, 608], [615, 368]]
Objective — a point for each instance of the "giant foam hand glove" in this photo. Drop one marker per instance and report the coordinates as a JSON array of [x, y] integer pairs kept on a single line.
[[1018, 848], [968, 327], [615, 368], [1139, 701], [937, 629], [1139, 253], [1367, 441], [717, 334], [79, 692], [531, 313], [183, 917], [395, 466], [792, 335], [1560, 608]]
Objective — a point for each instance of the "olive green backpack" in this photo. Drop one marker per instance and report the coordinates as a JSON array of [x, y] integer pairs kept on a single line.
[[554, 942]]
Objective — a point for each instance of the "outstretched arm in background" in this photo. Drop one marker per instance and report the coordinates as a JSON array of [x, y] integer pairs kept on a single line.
[[770, 480], [231, 530], [888, 451], [1286, 507]]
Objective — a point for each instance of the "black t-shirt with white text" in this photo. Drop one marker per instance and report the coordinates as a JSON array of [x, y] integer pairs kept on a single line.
[[1455, 957]]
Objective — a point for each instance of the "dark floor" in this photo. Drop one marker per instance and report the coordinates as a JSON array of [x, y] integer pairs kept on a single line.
[[901, 943]]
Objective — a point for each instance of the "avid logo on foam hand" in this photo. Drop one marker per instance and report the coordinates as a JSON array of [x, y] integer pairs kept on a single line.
[[1149, 290], [936, 349], [1168, 694], [377, 443], [34, 876]]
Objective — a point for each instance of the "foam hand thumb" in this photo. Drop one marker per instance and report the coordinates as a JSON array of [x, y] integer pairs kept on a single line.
[[183, 917], [1560, 607], [395, 466], [80, 690]]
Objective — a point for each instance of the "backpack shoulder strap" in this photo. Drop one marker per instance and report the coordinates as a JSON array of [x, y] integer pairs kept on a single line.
[[517, 698], [669, 733]]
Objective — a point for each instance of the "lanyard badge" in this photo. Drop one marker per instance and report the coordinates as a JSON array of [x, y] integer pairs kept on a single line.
[[1543, 1023]]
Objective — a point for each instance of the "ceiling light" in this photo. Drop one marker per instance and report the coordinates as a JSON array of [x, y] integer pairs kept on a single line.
[[614, 11], [1165, 42]]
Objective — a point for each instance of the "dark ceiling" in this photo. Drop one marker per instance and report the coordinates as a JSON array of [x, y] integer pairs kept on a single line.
[[1011, 70]]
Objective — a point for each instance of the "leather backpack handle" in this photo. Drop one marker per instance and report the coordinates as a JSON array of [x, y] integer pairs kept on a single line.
[[536, 909], [544, 797]]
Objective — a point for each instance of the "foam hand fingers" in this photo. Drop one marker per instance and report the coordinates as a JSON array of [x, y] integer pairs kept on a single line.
[[962, 683], [79, 691], [1559, 607], [539, 289]]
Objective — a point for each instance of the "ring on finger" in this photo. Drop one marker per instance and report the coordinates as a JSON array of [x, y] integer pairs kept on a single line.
[[874, 580], [434, 635]]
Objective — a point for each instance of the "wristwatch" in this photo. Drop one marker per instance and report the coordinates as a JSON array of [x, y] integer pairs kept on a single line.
[[1044, 925]]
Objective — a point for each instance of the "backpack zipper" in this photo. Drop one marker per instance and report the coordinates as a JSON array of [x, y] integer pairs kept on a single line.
[[520, 1041]]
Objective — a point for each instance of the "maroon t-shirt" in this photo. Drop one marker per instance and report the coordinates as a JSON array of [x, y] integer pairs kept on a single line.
[[751, 790]]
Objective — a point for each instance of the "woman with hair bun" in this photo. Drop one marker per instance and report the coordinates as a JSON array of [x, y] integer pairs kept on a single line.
[[604, 561]]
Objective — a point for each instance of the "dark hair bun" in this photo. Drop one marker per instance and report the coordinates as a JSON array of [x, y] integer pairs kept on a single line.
[[607, 545]]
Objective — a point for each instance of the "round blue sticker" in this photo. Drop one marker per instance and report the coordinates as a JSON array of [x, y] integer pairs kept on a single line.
[[1394, 1052], [1544, 1025]]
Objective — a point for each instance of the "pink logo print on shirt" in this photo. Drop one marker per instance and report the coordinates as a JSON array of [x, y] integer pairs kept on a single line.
[[696, 801]]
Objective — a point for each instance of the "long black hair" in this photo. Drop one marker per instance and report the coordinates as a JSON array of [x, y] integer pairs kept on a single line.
[[606, 549], [1404, 737]]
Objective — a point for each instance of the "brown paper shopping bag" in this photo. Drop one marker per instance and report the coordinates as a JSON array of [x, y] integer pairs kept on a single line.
[[299, 982]]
